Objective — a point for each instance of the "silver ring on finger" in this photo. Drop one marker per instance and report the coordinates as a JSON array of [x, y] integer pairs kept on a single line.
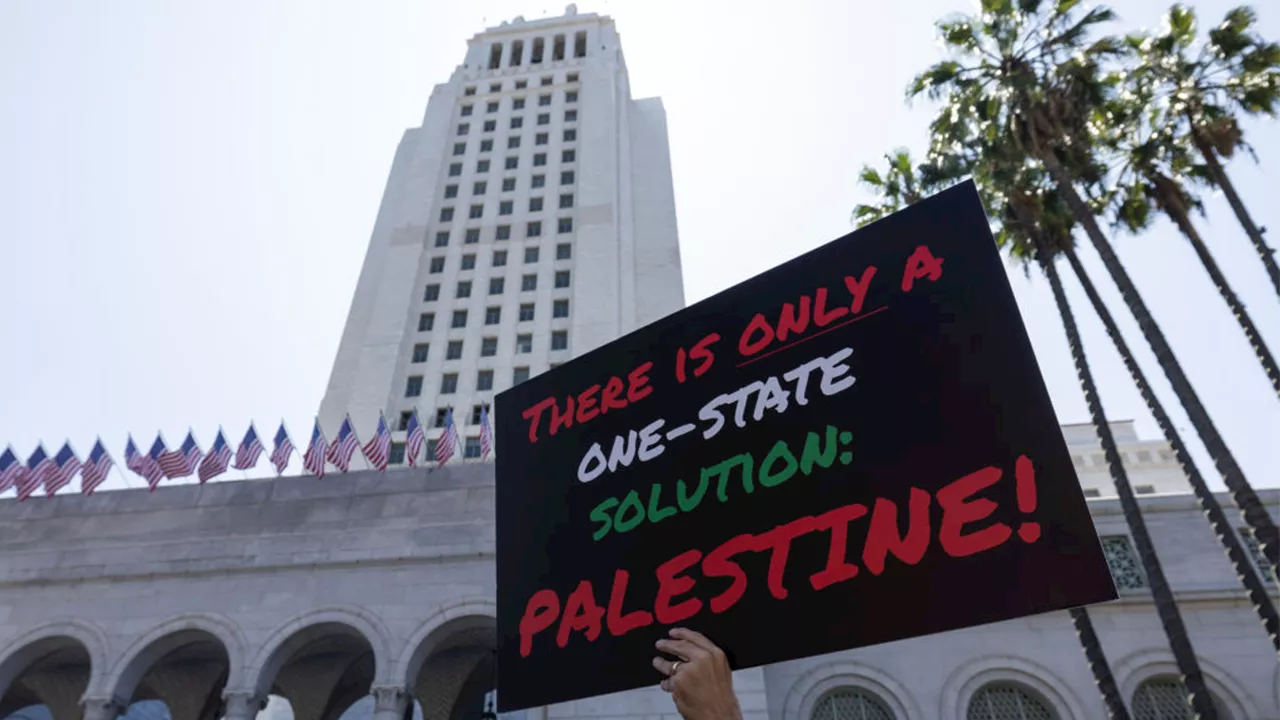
[[674, 667]]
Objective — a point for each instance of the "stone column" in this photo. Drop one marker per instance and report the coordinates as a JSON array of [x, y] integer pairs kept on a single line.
[[241, 704], [101, 708], [389, 702]]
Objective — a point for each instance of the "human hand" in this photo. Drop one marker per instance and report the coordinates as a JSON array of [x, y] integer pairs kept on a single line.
[[700, 681]]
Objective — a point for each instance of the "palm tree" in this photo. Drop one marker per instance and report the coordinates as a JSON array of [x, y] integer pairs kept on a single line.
[[902, 185], [1032, 81], [1234, 70], [1155, 162]]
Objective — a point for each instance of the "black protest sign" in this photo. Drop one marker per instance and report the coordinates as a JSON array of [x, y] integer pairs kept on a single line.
[[854, 447]]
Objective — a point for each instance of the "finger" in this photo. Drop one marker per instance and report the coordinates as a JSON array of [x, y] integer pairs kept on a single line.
[[665, 684], [663, 665], [686, 651], [694, 637]]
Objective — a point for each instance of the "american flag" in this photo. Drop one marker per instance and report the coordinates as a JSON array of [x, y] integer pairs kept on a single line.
[[65, 467], [10, 468], [344, 445], [39, 465], [486, 433], [249, 450], [378, 449], [448, 442], [151, 463], [181, 462], [133, 459], [284, 450], [415, 439], [96, 467], [313, 460], [215, 463]]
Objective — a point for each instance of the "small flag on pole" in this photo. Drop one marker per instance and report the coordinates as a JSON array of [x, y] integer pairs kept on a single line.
[[415, 439], [344, 445], [448, 442], [378, 449], [151, 463], [486, 434], [284, 450], [95, 468], [181, 462], [314, 459], [65, 467], [39, 465], [249, 450], [215, 463], [10, 468]]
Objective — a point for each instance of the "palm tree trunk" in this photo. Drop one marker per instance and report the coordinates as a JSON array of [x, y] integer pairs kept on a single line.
[[1265, 252], [1255, 514], [1233, 301], [1208, 501]]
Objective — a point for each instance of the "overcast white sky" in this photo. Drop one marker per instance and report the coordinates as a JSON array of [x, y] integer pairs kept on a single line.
[[187, 190]]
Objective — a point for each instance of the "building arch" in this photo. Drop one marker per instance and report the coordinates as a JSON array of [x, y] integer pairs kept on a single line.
[[449, 619], [144, 652], [810, 688], [961, 686], [313, 625], [25, 649], [1139, 666]]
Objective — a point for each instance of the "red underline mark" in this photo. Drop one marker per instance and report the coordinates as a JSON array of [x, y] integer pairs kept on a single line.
[[807, 338]]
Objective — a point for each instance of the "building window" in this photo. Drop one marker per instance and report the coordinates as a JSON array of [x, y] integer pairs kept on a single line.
[[482, 166], [413, 387], [564, 251], [546, 80], [431, 448], [464, 289], [442, 414], [568, 156], [513, 142], [436, 266], [526, 312], [566, 177], [524, 343], [580, 44], [1165, 698], [539, 159], [464, 128], [519, 375], [571, 77], [492, 315], [566, 201], [562, 278], [484, 380], [469, 90], [404, 420], [537, 181], [508, 184], [472, 237], [448, 383], [471, 448], [477, 211], [522, 84], [540, 139], [1144, 489], [478, 188], [450, 192], [534, 229], [486, 146], [535, 52], [1123, 562], [453, 351], [512, 163], [849, 703], [517, 103], [495, 59], [499, 258], [459, 148], [1254, 548], [446, 214], [564, 225], [488, 347], [535, 204], [531, 254], [560, 340], [395, 456], [570, 115], [495, 87], [1092, 493], [490, 125], [560, 309], [431, 293], [528, 282], [442, 238], [419, 353], [517, 53], [570, 135], [505, 207], [544, 118], [1007, 701], [517, 122], [469, 261], [459, 319], [503, 232], [426, 321], [455, 169], [491, 106], [544, 100], [495, 285]]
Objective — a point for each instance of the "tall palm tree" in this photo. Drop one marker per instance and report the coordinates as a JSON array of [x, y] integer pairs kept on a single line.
[[1032, 80], [903, 185], [1155, 162], [1235, 70]]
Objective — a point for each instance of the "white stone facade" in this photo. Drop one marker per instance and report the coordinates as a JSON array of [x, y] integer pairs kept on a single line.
[[587, 212]]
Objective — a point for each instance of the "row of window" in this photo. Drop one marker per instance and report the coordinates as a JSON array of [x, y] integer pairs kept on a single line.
[[489, 345], [1127, 570], [514, 141], [536, 48], [496, 287], [492, 316], [517, 121], [544, 81], [517, 103], [536, 181], [484, 378], [564, 251], [507, 207]]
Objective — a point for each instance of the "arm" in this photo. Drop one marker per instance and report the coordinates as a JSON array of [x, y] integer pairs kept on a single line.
[[699, 680]]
